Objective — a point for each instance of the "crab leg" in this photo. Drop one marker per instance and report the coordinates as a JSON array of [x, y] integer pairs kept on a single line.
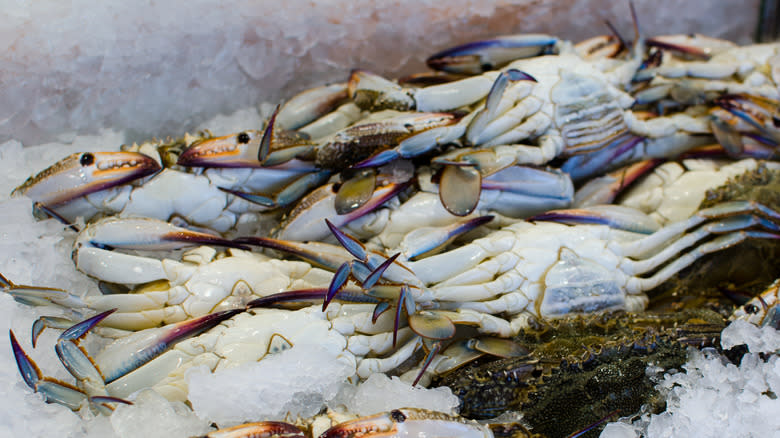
[[54, 391]]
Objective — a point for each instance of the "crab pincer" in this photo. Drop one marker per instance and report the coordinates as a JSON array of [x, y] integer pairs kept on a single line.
[[408, 422], [83, 173], [114, 362]]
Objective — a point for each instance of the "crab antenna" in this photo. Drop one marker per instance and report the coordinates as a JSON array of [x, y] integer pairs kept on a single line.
[[615, 33], [635, 20]]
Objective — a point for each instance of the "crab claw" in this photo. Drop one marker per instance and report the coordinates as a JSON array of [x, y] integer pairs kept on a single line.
[[480, 56], [305, 221], [759, 112], [291, 192], [690, 46], [262, 429], [83, 173], [146, 234], [53, 390], [408, 422], [92, 254], [235, 150], [119, 359]]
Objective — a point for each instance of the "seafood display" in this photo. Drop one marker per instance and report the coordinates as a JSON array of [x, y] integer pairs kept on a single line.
[[533, 226]]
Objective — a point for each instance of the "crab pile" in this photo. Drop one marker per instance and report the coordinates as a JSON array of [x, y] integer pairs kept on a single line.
[[429, 227]]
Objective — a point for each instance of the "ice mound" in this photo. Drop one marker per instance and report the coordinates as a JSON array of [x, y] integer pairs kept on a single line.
[[294, 382], [380, 393], [160, 68], [715, 398]]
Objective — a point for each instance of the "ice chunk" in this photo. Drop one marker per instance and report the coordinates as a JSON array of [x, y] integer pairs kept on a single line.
[[294, 382], [380, 393], [152, 416], [619, 430], [757, 339]]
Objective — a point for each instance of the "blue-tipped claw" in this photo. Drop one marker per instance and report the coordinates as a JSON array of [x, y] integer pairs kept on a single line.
[[27, 368], [614, 216], [80, 329], [376, 274], [169, 336], [435, 348], [254, 198], [499, 86], [378, 159], [53, 390], [380, 308], [44, 322], [398, 310], [357, 249], [337, 283], [265, 143]]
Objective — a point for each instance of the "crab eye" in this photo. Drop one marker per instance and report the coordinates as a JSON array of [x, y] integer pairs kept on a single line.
[[397, 416], [751, 309], [243, 138], [86, 159]]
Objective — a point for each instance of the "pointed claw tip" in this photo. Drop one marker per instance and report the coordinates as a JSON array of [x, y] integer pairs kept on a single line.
[[339, 281], [518, 75], [82, 328], [27, 368], [352, 245], [265, 141]]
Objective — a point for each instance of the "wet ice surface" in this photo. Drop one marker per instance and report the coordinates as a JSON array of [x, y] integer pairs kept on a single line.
[[163, 67]]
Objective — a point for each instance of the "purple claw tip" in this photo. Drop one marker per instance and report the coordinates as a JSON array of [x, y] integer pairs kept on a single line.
[[518, 75], [80, 329]]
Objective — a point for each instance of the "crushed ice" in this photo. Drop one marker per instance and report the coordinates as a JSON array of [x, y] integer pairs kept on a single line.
[[711, 398]]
